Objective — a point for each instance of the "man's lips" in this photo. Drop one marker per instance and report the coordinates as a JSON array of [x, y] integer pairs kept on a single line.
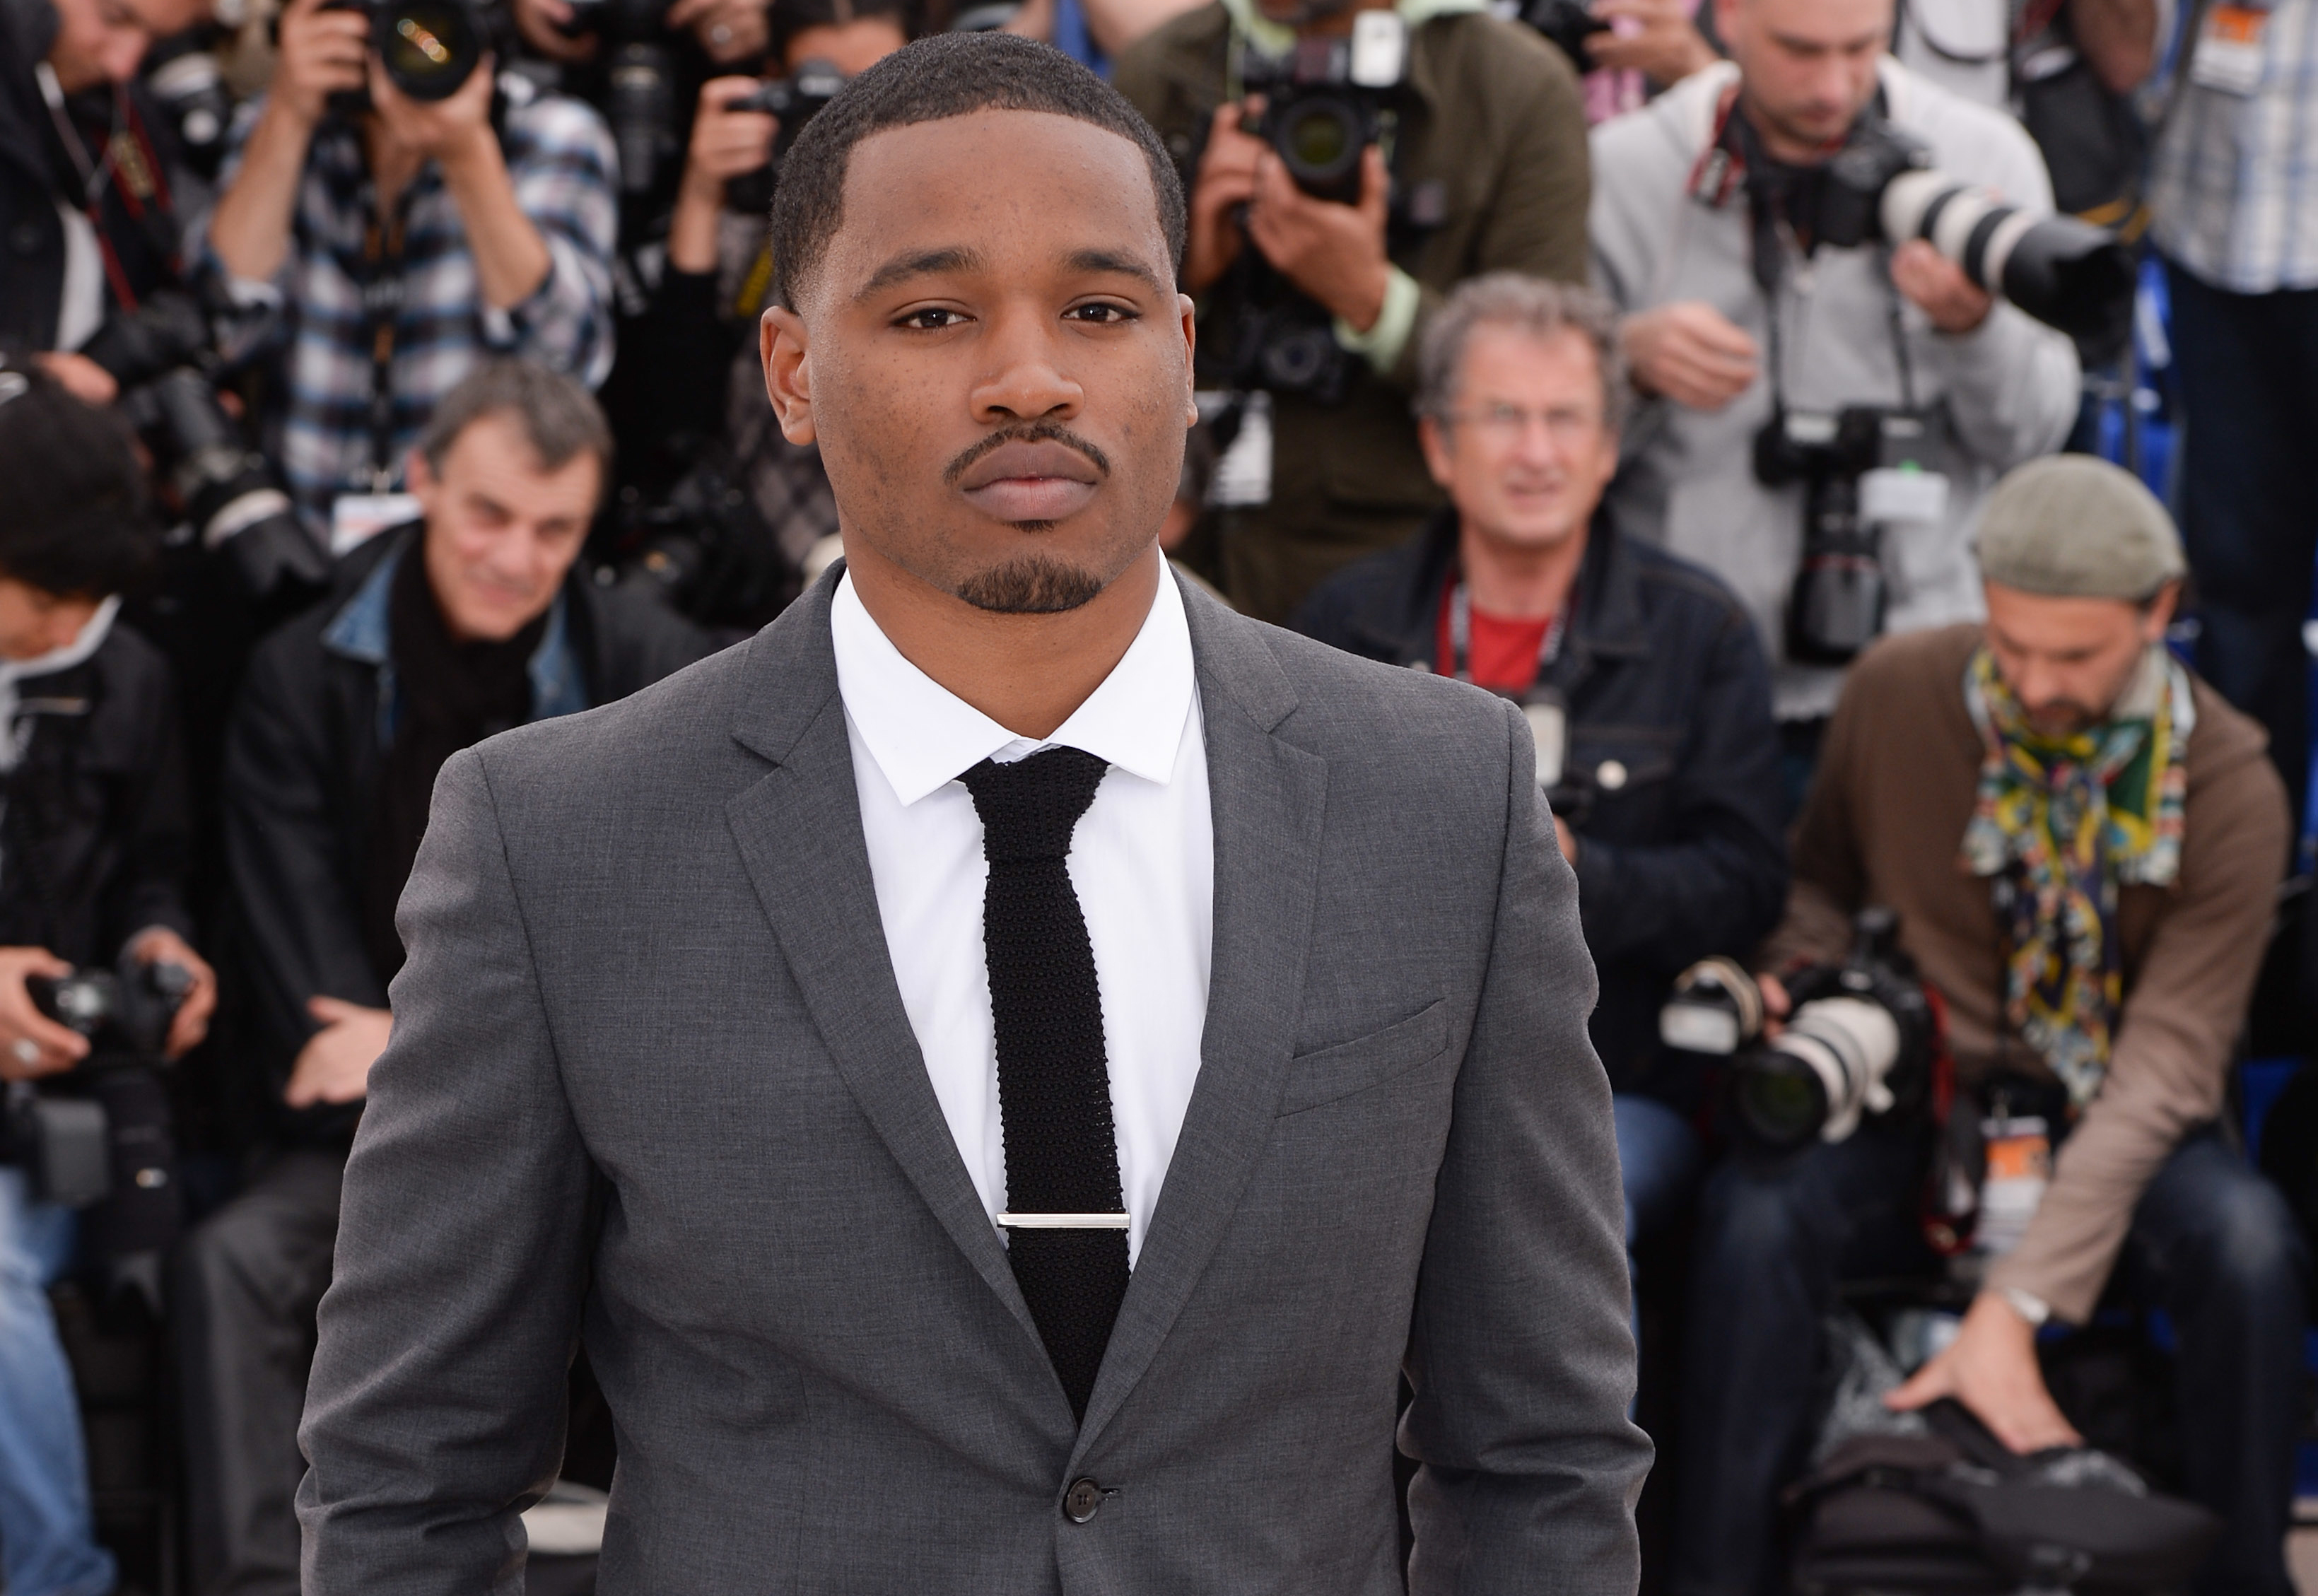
[[1030, 481]]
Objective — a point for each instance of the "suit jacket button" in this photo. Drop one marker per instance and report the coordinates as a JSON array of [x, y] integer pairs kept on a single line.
[[1081, 1501]]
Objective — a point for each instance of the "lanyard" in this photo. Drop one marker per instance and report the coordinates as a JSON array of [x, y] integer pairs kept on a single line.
[[96, 173], [381, 297], [1461, 637]]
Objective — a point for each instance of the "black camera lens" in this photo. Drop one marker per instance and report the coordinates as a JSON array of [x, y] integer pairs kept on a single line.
[[1320, 142], [429, 48], [1781, 1099]]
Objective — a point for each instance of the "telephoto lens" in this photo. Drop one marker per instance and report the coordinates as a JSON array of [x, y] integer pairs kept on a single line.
[[185, 78], [642, 114], [1326, 101], [2066, 272]]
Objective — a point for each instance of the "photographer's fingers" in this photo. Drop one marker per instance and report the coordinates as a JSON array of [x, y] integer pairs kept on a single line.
[[192, 1021]]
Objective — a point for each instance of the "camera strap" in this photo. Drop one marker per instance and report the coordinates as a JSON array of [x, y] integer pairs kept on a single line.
[[128, 164], [1543, 704], [1773, 232], [381, 299], [1461, 637]]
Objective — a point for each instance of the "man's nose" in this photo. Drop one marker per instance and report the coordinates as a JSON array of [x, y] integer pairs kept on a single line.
[[1025, 379], [124, 52]]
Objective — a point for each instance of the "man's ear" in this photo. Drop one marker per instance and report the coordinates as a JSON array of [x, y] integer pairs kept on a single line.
[[1430, 439], [1188, 314], [781, 341], [418, 477], [2160, 613]]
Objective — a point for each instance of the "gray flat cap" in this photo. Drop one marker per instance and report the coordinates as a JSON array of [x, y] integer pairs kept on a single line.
[[2071, 526]]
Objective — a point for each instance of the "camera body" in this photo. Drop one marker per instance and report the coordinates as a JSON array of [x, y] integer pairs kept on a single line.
[[1858, 1043], [1568, 24], [796, 100], [103, 1130], [1836, 605], [184, 75], [1327, 100], [2066, 272], [160, 357]]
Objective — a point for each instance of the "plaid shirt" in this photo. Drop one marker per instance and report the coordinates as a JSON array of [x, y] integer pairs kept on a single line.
[[2235, 188], [309, 320]]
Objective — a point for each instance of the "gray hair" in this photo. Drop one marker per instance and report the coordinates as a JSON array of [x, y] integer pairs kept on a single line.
[[559, 416], [1533, 305]]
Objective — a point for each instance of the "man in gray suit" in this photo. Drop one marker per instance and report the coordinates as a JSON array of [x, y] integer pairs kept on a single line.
[[1005, 1070]]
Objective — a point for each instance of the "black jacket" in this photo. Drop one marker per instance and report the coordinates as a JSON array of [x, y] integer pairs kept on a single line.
[[1666, 681], [32, 234], [93, 844], [304, 758]]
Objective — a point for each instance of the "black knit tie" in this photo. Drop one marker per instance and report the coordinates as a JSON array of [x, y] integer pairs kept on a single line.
[[1053, 1082]]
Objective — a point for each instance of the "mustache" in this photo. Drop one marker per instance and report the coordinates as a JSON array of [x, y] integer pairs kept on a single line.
[[1025, 431]]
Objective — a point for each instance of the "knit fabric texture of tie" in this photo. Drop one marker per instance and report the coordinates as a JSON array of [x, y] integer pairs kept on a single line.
[[1054, 1077]]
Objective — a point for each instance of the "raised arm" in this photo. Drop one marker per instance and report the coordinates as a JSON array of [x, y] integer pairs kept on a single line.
[[1519, 1353], [435, 1413]]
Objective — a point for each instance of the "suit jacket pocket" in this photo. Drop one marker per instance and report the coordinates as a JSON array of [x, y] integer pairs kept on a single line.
[[1339, 1071]]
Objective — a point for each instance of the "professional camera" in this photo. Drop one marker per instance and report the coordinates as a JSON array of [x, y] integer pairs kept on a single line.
[[1568, 24], [184, 75], [796, 100], [2067, 273], [1327, 100], [127, 1011], [704, 550], [1859, 1042], [99, 1138], [640, 70], [160, 354], [1836, 605], [428, 48]]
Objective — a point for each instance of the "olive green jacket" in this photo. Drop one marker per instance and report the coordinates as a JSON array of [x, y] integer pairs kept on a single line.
[[1498, 123]]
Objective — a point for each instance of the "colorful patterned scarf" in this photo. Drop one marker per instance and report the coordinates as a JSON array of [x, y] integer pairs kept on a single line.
[[2058, 825]]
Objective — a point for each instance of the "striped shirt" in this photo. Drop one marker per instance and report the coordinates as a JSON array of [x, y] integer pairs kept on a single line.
[[2235, 184], [308, 322]]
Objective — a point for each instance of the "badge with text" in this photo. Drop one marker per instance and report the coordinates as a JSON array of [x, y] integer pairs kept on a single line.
[[2231, 46], [356, 518], [2019, 1169]]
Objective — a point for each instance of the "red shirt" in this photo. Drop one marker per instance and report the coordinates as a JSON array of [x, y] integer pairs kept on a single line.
[[1504, 648]]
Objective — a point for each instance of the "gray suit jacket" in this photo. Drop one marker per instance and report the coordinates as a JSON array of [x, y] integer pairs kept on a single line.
[[652, 1088]]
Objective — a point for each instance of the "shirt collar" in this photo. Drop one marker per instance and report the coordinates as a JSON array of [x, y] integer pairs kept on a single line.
[[923, 736]]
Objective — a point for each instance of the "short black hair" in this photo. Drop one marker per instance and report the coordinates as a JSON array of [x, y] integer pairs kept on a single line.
[[76, 525], [933, 80]]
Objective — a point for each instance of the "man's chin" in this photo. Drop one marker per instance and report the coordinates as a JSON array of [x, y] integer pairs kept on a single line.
[[1030, 584]]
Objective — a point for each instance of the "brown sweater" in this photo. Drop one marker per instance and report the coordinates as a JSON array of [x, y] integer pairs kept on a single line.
[[1883, 826]]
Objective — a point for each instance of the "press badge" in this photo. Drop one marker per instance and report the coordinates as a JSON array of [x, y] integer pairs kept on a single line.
[[1243, 479], [357, 518], [2019, 1169], [2230, 44], [1549, 728]]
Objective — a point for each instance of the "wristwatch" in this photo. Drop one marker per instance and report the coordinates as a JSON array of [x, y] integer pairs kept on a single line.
[[2031, 1307]]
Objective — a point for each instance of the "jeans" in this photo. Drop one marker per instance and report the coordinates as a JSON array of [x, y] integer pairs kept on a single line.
[[1658, 1159], [2249, 370], [248, 1281], [2211, 1242], [48, 1544]]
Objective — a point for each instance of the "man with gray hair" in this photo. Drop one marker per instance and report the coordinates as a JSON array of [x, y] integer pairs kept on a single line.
[[440, 633], [2082, 844], [1640, 677]]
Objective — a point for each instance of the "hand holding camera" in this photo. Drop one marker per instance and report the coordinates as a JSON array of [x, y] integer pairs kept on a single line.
[[1954, 302], [159, 947], [1333, 252], [1225, 183], [728, 30], [1991, 1369], [321, 52], [1664, 44], [443, 130], [729, 140], [32, 1043]]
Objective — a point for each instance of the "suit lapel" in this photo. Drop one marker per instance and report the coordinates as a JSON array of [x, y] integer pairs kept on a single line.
[[799, 832], [1267, 799]]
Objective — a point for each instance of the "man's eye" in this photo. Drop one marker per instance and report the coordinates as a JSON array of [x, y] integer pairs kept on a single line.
[[1099, 313], [931, 320]]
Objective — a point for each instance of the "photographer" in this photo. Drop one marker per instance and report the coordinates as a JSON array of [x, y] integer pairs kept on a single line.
[[93, 840], [439, 635], [2082, 843], [1646, 689], [380, 256], [1485, 172], [87, 176], [1707, 210]]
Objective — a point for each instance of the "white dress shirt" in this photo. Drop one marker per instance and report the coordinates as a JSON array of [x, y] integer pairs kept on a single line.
[[1142, 863]]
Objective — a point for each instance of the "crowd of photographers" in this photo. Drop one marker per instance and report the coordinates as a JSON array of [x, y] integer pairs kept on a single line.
[[379, 375]]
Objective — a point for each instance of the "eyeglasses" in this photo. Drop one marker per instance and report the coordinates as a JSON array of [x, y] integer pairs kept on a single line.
[[1509, 424]]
